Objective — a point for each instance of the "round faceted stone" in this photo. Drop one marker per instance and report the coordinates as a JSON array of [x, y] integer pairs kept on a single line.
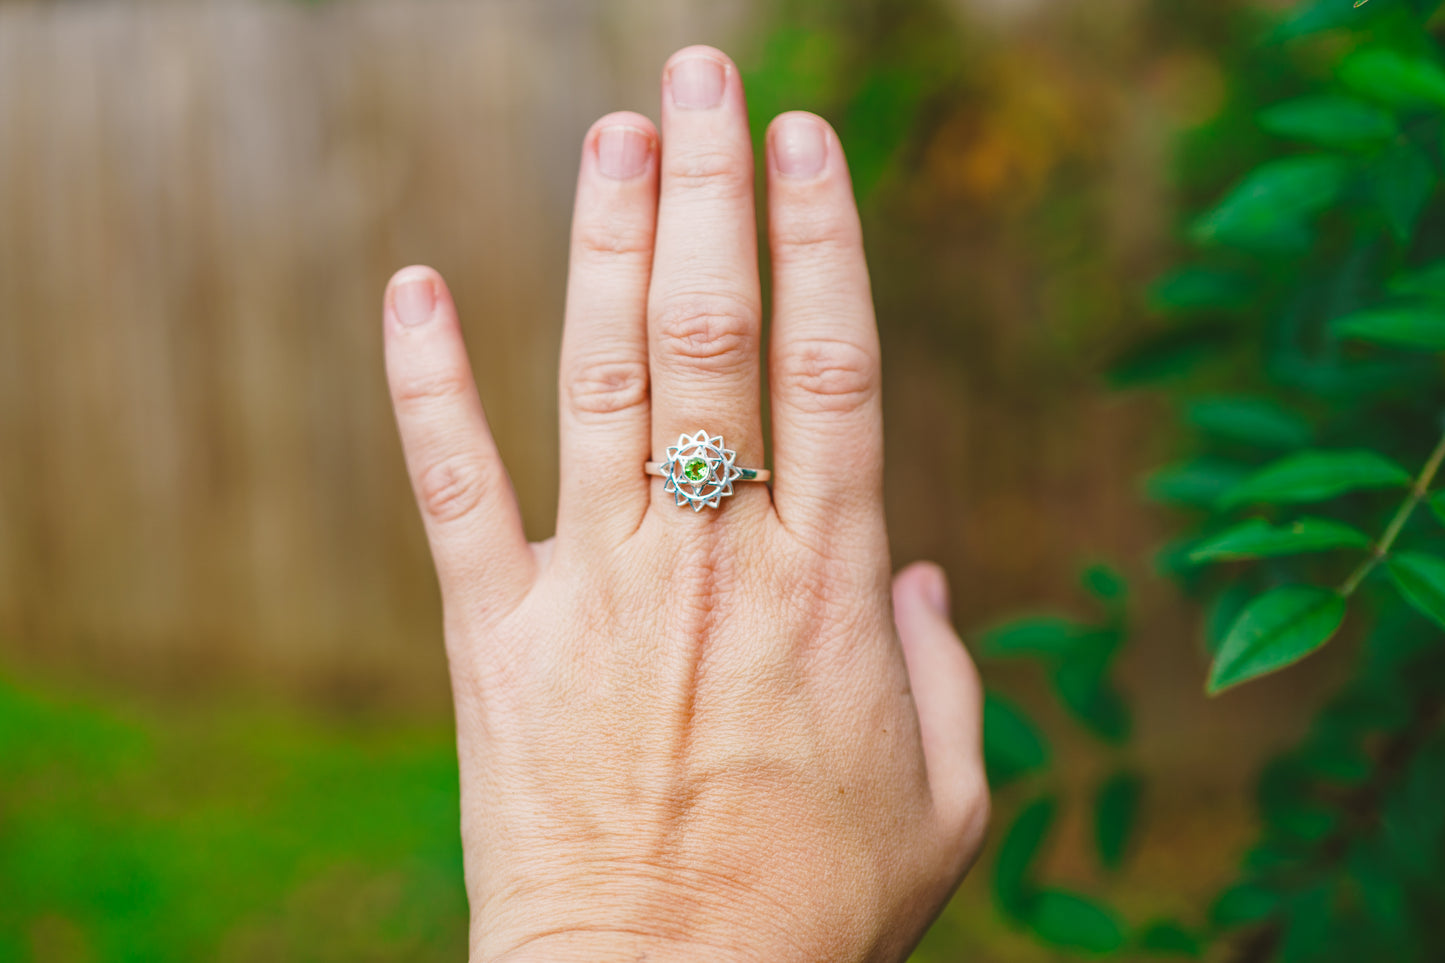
[[695, 470]]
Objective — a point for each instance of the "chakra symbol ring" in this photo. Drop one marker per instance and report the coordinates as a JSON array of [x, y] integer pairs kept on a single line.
[[700, 472]]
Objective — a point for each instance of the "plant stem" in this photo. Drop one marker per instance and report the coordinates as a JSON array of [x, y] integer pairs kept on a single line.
[[1418, 491]]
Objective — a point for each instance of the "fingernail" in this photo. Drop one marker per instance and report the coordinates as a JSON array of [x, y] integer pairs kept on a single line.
[[413, 298], [935, 592], [697, 83], [622, 152], [799, 147]]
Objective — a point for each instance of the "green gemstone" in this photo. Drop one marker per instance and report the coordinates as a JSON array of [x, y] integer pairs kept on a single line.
[[695, 470]]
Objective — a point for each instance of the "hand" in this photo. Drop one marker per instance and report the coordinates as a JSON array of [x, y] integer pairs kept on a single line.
[[694, 735]]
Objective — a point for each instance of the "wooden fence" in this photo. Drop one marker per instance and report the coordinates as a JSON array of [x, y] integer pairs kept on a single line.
[[199, 206]]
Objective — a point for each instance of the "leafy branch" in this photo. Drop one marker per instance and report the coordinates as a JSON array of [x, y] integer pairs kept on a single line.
[[1304, 342], [1418, 491]]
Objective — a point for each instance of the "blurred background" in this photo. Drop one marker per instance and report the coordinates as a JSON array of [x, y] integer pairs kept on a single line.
[[224, 715]]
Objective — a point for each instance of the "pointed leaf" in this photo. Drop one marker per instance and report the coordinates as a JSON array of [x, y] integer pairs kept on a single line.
[[1116, 810], [1075, 922], [1402, 180], [1254, 421], [1199, 289], [1428, 282], [1420, 325], [1169, 938], [1329, 121], [1104, 583], [1244, 903], [1223, 612], [1168, 354], [1199, 483], [1045, 636], [1271, 208], [1084, 687], [1277, 629], [1257, 538], [1012, 883], [1437, 505], [1320, 15], [1012, 744], [1391, 77], [1421, 580], [1312, 476]]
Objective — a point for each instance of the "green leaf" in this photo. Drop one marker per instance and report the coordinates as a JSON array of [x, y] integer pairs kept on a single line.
[[1244, 903], [1084, 687], [1403, 180], [1333, 754], [1393, 78], [1420, 326], [1201, 289], [1420, 578], [1104, 583], [1257, 538], [1075, 922], [1222, 613], [1312, 476], [1437, 505], [1320, 15], [886, 104], [1329, 121], [1012, 883], [1309, 931], [1271, 208], [1199, 483], [1428, 281], [1277, 629], [1168, 354], [1042, 636], [1012, 744], [1254, 421], [1413, 819], [1116, 809], [1169, 938], [1384, 896]]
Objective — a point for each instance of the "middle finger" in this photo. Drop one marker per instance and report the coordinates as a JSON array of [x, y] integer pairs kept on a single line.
[[704, 305]]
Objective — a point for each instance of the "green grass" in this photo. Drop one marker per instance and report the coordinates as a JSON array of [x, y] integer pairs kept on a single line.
[[168, 833], [222, 836]]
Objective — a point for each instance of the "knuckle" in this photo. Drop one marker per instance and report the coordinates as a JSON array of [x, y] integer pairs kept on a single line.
[[710, 330], [718, 173], [814, 237], [606, 386], [613, 239], [451, 488], [828, 374], [430, 389]]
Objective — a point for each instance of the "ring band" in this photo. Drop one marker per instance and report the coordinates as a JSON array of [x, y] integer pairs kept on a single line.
[[746, 474], [700, 471]]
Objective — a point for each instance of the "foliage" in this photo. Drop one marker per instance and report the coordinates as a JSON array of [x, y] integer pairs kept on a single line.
[[1312, 307]]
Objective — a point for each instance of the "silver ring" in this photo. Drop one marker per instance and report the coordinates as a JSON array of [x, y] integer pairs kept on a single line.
[[699, 471]]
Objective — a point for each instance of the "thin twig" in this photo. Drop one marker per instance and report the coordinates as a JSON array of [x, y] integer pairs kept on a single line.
[[1418, 491]]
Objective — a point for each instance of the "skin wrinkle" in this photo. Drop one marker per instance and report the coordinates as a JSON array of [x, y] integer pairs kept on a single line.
[[717, 333], [719, 176], [601, 386], [606, 239], [826, 375]]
